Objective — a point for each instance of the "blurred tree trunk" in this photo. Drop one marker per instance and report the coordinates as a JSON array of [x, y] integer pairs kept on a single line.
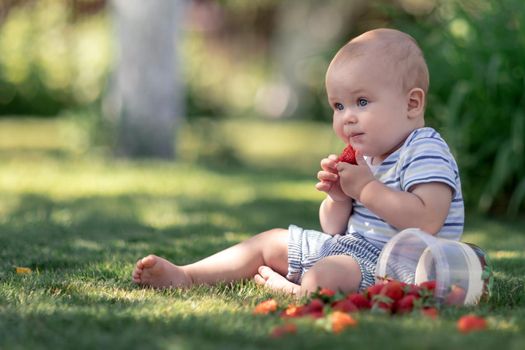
[[305, 31], [146, 95]]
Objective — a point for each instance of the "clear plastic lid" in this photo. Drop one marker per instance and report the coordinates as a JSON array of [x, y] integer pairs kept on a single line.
[[413, 256]]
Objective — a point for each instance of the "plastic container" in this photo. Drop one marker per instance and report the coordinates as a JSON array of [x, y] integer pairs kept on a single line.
[[461, 270]]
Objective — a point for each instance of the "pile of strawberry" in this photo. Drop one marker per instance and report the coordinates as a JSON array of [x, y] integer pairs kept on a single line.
[[335, 309], [391, 296]]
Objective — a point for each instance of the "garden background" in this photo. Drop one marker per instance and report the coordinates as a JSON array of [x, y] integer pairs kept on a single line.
[[249, 124]]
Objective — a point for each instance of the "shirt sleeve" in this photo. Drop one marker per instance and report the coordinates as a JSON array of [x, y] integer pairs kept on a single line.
[[427, 160]]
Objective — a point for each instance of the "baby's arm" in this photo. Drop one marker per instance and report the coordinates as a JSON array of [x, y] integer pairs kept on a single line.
[[333, 215], [424, 206], [337, 206]]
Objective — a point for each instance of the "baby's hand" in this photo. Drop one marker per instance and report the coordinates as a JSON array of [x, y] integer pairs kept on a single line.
[[329, 179], [354, 178]]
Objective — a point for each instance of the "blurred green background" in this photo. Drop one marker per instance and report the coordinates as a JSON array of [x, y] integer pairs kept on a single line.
[[254, 65]]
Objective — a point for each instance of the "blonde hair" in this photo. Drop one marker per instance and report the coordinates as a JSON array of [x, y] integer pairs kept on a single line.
[[397, 50]]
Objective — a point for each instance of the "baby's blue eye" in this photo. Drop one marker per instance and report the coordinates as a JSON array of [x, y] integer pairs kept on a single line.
[[362, 102], [339, 106]]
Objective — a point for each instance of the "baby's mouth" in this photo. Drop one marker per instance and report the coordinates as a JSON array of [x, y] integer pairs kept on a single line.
[[355, 136]]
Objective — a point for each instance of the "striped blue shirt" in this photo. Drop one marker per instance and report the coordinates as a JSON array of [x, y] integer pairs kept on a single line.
[[423, 158]]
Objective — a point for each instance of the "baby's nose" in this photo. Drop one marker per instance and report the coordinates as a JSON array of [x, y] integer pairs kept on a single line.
[[350, 118]]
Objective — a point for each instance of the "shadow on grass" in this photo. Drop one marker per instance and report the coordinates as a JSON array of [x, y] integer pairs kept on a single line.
[[66, 328], [97, 234], [48, 234]]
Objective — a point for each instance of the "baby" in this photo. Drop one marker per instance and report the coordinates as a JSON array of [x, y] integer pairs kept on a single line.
[[405, 177]]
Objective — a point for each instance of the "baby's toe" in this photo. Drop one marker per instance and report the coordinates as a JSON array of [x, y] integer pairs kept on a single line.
[[136, 276], [148, 262], [265, 272], [259, 279]]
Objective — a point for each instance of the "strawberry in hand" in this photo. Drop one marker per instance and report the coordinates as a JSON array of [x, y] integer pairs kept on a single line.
[[353, 177], [329, 179], [348, 155]]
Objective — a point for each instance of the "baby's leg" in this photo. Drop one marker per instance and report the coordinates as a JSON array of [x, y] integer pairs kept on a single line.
[[269, 248], [157, 272], [338, 273]]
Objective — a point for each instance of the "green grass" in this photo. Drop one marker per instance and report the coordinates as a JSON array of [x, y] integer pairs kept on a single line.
[[80, 220]]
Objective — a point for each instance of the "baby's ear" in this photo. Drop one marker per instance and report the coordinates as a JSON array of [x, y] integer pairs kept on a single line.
[[416, 103]]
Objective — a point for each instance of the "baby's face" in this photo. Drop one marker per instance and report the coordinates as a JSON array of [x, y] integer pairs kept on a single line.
[[369, 106]]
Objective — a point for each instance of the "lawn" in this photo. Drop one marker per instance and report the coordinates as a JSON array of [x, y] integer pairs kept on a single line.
[[80, 219]]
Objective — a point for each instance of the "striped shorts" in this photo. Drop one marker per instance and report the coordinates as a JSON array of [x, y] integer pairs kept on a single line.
[[306, 247]]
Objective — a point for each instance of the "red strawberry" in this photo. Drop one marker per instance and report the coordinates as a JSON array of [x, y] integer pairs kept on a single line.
[[428, 285], [469, 323], [287, 328], [344, 305], [326, 292], [325, 295], [374, 290], [359, 300], [456, 296], [405, 304], [348, 155], [393, 290], [430, 312], [314, 308], [293, 311], [265, 307], [412, 289], [315, 305], [341, 320], [381, 302]]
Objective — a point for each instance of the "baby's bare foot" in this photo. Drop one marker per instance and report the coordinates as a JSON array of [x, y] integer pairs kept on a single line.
[[271, 279], [160, 273]]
